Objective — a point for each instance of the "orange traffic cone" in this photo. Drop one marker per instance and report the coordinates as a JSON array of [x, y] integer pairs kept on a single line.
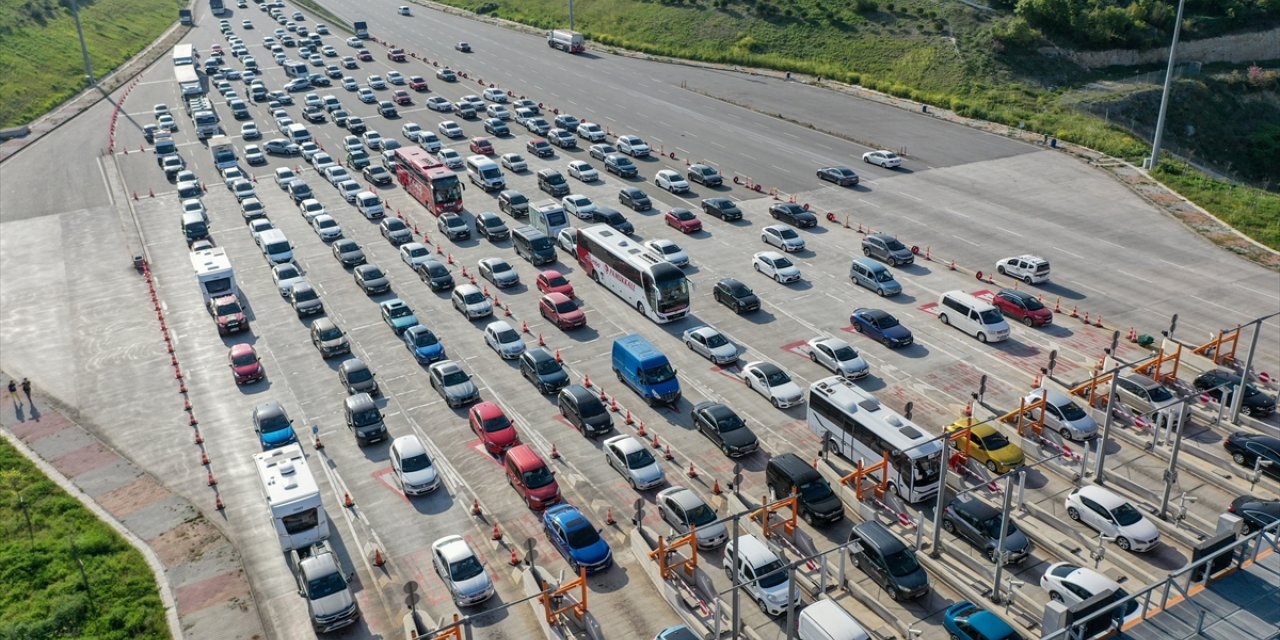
[[524, 327], [515, 559], [555, 455], [608, 517], [715, 488], [541, 342], [497, 533], [347, 501], [629, 421], [378, 560], [475, 507], [586, 380], [667, 454], [640, 431], [692, 473], [560, 361]]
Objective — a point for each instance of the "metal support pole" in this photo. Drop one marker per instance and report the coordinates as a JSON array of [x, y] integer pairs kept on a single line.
[[1171, 472], [735, 615], [791, 602], [1022, 490], [1004, 528], [936, 550], [1237, 398], [571, 14], [1164, 95], [1106, 432], [84, 50]]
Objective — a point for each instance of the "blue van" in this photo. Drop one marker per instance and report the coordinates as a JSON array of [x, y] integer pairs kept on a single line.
[[868, 273], [645, 369]]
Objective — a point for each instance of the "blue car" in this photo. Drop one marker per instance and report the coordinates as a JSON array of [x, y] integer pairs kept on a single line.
[[423, 344], [967, 621], [577, 539], [679, 632], [273, 426], [881, 326], [397, 314]]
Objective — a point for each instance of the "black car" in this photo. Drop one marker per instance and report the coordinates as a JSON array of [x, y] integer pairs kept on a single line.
[[843, 176], [722, 208], [978, 523], [1255, 512], [793, 214], [724, 428], [377, 174], [540, 368], [371, 279], [299, 190], [1221, 386], [614, 219], [621, 165], [1247, 448], [490, 226], [635, 199], [513, 203], [435, 275], [584, 410], [453, 226], [340, 117], [395, 231], [348, 252], [735, 295], [496, 127], [705, 175]]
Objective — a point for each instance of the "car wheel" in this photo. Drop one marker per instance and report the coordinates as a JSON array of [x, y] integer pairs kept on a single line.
[[881, 293], [853, 558], [1065, 433], [728, 571], [1028, 321], [774, 402], [763, 608], [982, 337], [866, 252], [632, 482], [942, 317], [991, 466], [893, 593], [813, 357], [1026, 279], [857, 327], [1238, 458], [1123, 543], [777, 278], [948, 526], [737, 308], [1073, 514], [757, 267], [1000, 270], [689, 343], [1055, 596], [808, 518]]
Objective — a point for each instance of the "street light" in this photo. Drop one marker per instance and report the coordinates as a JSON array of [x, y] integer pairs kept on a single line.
[[84, 50], [1164, 95]]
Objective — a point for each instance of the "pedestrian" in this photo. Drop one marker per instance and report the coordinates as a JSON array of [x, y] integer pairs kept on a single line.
[[26, 389], [13, 391]]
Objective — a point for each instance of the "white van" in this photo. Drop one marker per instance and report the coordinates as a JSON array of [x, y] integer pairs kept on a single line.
[[826, 620], [370, 205], [298, 133], [761, 573], [275, 246], [972, 316], [485, 173]]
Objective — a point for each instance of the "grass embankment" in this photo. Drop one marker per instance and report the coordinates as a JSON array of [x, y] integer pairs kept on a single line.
[[979, 64], [40, 59], [42, 587]]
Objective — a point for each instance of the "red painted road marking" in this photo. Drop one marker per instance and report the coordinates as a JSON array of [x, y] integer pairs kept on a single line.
[[383, 477], [480, 448], [732, 376], [794, 347], [931, 308], [984, 295]]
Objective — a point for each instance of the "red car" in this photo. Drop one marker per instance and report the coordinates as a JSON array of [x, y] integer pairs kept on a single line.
[[364, 55], [396, 55], [228, 314], [684, 220], [1023, 307], [552, 281], [559, 309], [217, 48], [494, 428], [481, 145], [417, 83], [401, 97], [529, 475], [244, 364]]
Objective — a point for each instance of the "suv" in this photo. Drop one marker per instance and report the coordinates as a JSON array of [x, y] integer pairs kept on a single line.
[[787, 473], [1027, 268], [553, 182], [761, 573], [979, 524], [584, 410], [328, 338], [513, 203], [886, 248], [621, 165], [540, 368], [704, 175], [887, 561]]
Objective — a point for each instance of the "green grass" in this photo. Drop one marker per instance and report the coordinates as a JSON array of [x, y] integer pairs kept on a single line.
[[40, 60], [1254, 212], [42, 593]]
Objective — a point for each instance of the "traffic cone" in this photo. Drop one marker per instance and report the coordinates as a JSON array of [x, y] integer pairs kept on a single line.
[[515, 559], [952, 266], [451, 258], [496, 302], [212, 480], [667, 454], [560, 361], [346, 500], [475, 507], [1097, 322], [603, 397], [692, 473], [473, 279], [439, 250], [640, 431], [715, 488], [555, 455], [378, 560], [608, 517], [1086, 317], [541, 342], [655, 443], [524, 327], [464, 271], [317, 444], [199, 439], [204, 458], [186, 405], [217, 503], [191, 421], [486, 291], [497, 533], [506, 310], [629, 421], [586, 380]]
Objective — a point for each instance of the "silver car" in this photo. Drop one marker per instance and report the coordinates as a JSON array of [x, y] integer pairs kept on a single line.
[[629, 457], [838, 357], [499, 272], [461, 570], [452, 383], [504, 340], [682, 508], [782, 237], [1063, 415], [711, 344]]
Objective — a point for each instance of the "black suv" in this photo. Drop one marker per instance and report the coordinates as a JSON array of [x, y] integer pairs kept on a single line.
[[513, 203], [888, 562], [634, 198], [553, 182], [540, 368], [787, 474], [736, 295], [584, 410]]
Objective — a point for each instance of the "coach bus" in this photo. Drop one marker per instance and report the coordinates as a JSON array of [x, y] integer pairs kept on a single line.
[[653, 286], [858, 427], [428, 181]]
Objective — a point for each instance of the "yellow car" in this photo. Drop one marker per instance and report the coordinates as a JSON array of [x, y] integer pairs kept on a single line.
[[990, 447]]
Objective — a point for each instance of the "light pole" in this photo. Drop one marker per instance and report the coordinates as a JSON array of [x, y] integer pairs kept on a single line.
[[571, 14], [1164, 95], [84, 50]]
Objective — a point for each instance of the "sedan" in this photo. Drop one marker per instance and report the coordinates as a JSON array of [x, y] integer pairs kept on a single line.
[[423, 344], [452, 383], [838, 357], [770, 381], [880, 326], [1022, 306], [513, 162], [348, 252], [326, 227], [249, 131], [253, 155], [1247, 449], [1061, 414], [776, 266], [711, 344], [583, 171], [669, 251], [377, 174], [576, 539], [684, 510], [450, 129], [539, 147], [886, 159], [722, 208], [561, 311], [376, 82], [1113, 517], [397, 314], [281, 147], [438, 103], [395, 231], [414, 253], [672, 181], [725, 428], [683, 219], [782, 237], [578, 205], [630, 458], [365, 94], [285, 276], [499, 272], [401, 97], [1221, 386], [491, 226], [793, 214], [450, 158], [1254, 512], [978, 523], [634, 198], [552, 281], [843, 176], [372, 280], [460, 568], [244, 363], [503, 339]]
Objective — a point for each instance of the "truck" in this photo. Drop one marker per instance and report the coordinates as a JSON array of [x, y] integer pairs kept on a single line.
[[295, 69], [327, 589], [214, 274], [223, 152], [361, 29], [293, 499], [203, 117], [184, 17], [548, 217], [565, 40], [217, 7], [188, 80], [639, 365]]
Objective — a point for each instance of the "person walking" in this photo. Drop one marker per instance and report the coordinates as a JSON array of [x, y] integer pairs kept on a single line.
[[26, 389], [13, 391]]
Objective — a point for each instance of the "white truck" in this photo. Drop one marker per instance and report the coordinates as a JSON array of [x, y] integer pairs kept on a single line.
[[223, 152], [565, 40], [297, 513], [203, 117], [327, 589], [214, 273]]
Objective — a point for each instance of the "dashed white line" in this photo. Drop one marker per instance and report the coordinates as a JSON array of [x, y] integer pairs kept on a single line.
[[1110, 243], [868, 202], [774, 166], [1261, 293], [907, 195], [950, 210], [965, 240], [1074, 255], [1012, 233]]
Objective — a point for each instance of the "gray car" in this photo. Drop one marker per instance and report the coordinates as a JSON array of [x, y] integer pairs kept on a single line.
[[357, 378], [452, 383], [305, 300], [1063, 415], [1144, 395], [499, 272], [979, 524], [886, 248], [680, 508], [328, 338], [540, 368], [490, 226], [371, 279], [348, 252]]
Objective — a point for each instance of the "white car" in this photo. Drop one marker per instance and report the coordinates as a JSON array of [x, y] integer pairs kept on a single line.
[[231, 174], [633, 146], [503, 339], [404, 11], [350, 84], [355, 43], [886, 159], [251, 208], [458, 565], [394, 77], [590, 131], [285, 275], [412, 466], [351, 143], [838, 357], [470, 301], [429, 141], [776, 266], [450, 158], [253, 155], [514, 162], [1113, 517], [376, 82], [285, 175], [366, 95], [669, 251], [414, 253], [583, 171], [709, 343], [450, 129], [326, 227], [770, 381], [567, 240], [160, 109], [322, 161], [672, 181], [411, 130], [372, 139], [1072, 584], [337, 174], [629, 457], [249, 131], [497, 111], [312, 100], [310, 208], [579, 205], [782, 237], [242, 189], [193, 205], [437, 103], [495, 94], [309, 151], [349, 189]]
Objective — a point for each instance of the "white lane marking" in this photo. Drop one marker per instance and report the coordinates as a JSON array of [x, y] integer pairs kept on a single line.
[[1137, 277], [1111, 243], [1012, 233], [1175, 264], [868, 202], [950, 210], [964, 240], [1074, 255], [907, 195], [1261, 293]]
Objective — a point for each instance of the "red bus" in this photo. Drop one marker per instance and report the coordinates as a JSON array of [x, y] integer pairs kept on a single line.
[[428, 181]]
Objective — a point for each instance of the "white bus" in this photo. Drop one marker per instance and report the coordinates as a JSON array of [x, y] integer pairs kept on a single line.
[[184, 54], [858, 427], [297, 513], [651, 285]]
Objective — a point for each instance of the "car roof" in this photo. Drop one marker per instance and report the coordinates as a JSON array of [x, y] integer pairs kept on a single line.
[[833, 343], [684, 497], [1053, 397], [538, 354], [408, 446], [716, 410], [765, 366], [704, 331], [453, 549], [1100, 495], [1142, 381], [976, 508], [446, 366], [241, 348], [464, 289], [1014, 293], [625, 443], [499, 325], [556, 297], [1091, 580]]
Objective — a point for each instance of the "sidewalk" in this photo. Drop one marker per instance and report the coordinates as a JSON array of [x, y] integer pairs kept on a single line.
[[202, 582]]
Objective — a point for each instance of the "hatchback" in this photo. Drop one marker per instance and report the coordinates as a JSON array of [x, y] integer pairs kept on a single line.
[[1113, 517]]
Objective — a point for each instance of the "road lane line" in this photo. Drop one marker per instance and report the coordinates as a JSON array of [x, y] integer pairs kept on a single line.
[[1012, 233], [950, 210], [964, 240], [1074, 255]]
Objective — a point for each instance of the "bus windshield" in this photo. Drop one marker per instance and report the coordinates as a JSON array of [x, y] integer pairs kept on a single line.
[[447, 189], [672, 295]]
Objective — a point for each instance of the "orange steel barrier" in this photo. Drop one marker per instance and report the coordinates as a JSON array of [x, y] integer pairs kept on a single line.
[[663, 554], [766, 522], [861, 472], [1153, 367], [578, 609], [1216, 345]]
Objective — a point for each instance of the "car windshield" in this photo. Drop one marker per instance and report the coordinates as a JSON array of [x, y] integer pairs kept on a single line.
[[581, 535], [894, 245], [902, 563], [327, 224], [614, 218], [304, 294], [639, 459], [416, 463], [244, 359], [1161, 393], [771, 575], [454, 378], [465, 569], [566, 306], [287, 273], [228, 308], [1032, 304], [657, 374], [781, 263], [739, 290], [683, 214], [436, 270], [884, 276], [787, 233], [517, 198], [424, 339], [991, 316], [537, 478], [548, 366], [700, 515], [1070, 411], [366, 417], [669, 249], [329, 333], [1126, 514], [994, 441], [845, 354], [325, 586], [501, 267], [455, 221], [716, 340], [557, 281], [814, 491], [497, 423], [992, 528], [474, 297], [359, 375], [399, 312], [274, 422], [493, 222], [374, 274], [507, 335]]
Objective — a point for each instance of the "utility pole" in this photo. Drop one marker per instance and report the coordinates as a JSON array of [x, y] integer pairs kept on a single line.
[[84, 50], [1237, 397], [571, 14], [1164, 95], [1000, 553]]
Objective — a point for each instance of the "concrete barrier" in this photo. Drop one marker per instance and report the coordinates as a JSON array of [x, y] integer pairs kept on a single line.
[[642, 541], [14, 132]]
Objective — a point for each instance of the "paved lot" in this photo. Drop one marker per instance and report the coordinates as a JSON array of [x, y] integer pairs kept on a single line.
[[963, 194]]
